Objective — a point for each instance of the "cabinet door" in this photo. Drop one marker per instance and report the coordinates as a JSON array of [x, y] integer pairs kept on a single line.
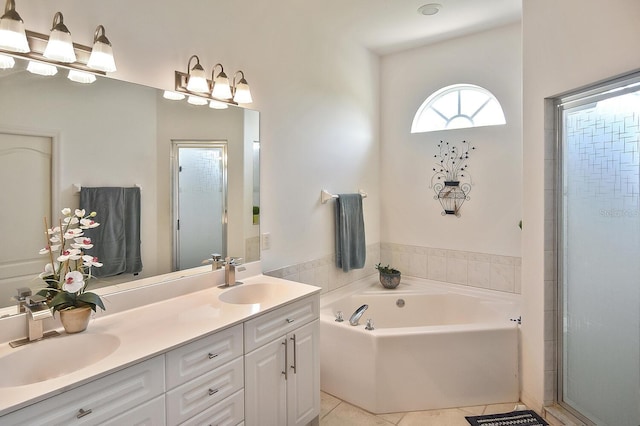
[[265, 385], [303, 381]]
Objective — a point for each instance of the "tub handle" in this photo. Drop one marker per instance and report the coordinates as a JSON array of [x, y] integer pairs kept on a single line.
[[286, 358], [295, 355]]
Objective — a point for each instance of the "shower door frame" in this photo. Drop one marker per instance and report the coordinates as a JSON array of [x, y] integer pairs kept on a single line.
[[581, 97]]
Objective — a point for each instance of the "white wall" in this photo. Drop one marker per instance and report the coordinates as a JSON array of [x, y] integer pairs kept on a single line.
[[566, 45], [318, 97], [410, 215]]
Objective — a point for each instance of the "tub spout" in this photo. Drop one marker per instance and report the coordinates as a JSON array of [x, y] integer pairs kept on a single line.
[[357, 314]]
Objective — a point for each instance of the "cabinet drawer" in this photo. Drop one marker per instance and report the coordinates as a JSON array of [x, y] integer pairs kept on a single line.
[[148, 414], [97, 401], [199, 394], [263, 329], [199, 357], [228, 412]]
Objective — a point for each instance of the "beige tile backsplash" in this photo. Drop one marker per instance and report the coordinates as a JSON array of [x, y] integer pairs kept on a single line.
[[482, 270]]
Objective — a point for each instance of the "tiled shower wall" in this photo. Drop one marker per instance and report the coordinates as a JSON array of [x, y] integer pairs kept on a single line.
[[483, 270]]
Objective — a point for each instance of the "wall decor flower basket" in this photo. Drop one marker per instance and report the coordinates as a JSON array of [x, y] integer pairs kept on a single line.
[[451, 181]]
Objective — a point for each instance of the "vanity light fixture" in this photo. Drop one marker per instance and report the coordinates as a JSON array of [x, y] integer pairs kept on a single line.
[[12, 34], [197, 100], [173, 96], [241, 92], [6, 62], [101, 58], [81, 77], [196, 78], [60, 47], [217, 104], [218, 88], [221, 89], [35, 67]]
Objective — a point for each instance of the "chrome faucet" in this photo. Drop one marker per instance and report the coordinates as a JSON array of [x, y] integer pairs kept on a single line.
[[355, 317], [21, 298], [216, 261], [37, 311], [230, 266]]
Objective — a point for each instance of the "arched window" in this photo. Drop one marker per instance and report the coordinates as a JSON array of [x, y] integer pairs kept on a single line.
[[456, 107]]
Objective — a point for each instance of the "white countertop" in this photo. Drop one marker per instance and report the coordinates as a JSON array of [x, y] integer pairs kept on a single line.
[[149, 330]]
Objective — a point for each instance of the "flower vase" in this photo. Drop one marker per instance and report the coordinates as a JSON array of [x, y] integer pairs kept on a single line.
[[390, 280], [75, 320]]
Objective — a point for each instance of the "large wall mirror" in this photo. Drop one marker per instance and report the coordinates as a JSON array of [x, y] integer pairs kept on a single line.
[[56, 134]]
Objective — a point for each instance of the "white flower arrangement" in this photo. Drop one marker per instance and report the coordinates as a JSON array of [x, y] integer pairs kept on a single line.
[[69, 269]]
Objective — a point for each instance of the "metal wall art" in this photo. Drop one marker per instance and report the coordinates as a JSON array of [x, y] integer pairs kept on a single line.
[[451, 181]]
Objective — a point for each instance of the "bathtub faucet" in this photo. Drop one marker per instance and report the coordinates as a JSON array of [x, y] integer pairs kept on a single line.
[[357, 314]]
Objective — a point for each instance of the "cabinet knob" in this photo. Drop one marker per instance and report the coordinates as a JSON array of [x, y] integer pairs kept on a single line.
[[212, 356], [82, 413], [212, 391], [290, 320]]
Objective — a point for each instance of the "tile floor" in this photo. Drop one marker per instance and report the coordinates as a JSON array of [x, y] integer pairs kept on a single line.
[[335, 412]]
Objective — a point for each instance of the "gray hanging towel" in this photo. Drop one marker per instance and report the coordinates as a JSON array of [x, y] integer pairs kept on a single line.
[[117, 239], [350, 243]]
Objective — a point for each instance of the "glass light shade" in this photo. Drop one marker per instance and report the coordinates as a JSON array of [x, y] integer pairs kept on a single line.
[[217, 105], [221, 88], [12, 35], [196, 100], [173, 96], [197, 80], [60, 47], [6, 62], [101, 58], [81, 77], [42, 69], [243, 94]]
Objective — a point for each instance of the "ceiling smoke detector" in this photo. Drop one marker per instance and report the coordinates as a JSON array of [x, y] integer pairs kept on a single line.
[[429, 9]]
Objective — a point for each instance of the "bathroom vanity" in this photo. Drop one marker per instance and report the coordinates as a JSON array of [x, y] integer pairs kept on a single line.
[[246, 354]]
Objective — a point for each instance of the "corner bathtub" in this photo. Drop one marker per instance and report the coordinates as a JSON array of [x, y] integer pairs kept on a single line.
[[448, 346]]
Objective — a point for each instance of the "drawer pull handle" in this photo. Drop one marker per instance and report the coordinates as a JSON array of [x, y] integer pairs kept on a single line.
[[212, 356], [82, 413], [290, 320], [212, 391]]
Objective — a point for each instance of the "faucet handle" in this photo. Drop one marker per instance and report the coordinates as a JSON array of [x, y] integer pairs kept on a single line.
[[23, 293], [35, 300], [234, 260], [216, 257]]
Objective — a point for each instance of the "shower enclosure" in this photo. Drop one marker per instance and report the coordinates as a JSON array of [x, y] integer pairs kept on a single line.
[[599, 253]]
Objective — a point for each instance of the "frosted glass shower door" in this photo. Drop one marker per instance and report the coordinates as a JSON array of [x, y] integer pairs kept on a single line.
[[201, 203], [599, 357]]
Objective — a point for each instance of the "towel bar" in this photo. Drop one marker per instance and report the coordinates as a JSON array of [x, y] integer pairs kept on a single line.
[[77, 187], [326, 195]]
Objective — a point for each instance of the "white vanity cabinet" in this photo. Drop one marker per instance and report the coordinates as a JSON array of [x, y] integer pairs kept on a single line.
[[282, 366], [119, 395], [205, 379]]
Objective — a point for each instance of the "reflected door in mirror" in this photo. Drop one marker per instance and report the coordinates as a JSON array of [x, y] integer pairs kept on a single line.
[[200, 202], [25, 170]]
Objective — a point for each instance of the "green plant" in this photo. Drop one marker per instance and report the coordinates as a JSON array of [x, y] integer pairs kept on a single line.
[[69, 270], [386, 269]]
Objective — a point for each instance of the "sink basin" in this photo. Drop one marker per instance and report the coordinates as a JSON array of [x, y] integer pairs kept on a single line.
[[54, 357], [253, 293]]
